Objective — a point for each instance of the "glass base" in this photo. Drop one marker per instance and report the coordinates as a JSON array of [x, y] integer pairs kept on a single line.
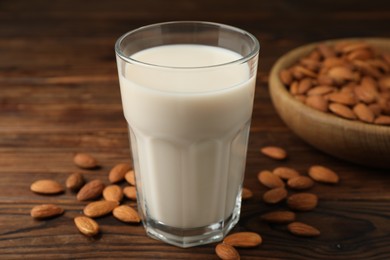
[[189, 237]]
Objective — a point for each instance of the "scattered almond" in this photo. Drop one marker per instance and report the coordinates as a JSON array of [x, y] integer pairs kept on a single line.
[[75, 181], [274, 152], [126, 214], [86, 225], [300, 183], [91, 190], [285, 173], [323, 174], [302, 201], [243, 239], [226, 252], [130, 192], [118, 172], [99, 208], [279, 217], [46, 211], [269, 179], [246, 194], [130, 177], [275, 195], [85, 161], [302, 229], [46, 186], [113, 193]]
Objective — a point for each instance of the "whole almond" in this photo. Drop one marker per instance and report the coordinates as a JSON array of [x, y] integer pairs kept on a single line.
[[46, 186], [85, 161], [286, 77], [346, 98], [321, 90], [130, 177], [300, 183], [86, 225], [360, 55], [285, 173], [384, 82], [126, 214], [243, 239], [382, 120], [323, 174], [300, 72], [342, 111], [75, 181], [279, 217], [375, 108], [364, 113], [130, 192], [226, 252], [91, 190], [246, 194], [269, 179], [302, 201], [325, 50], [302, 229], [99, 208], [341, 74], [46, 211], [274, 152], [304, 85], [353, 46], [366, 94], [113, 193], [275, 195], [317, 102], [118, 172]]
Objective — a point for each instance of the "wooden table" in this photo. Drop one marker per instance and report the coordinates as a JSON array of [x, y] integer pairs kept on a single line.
[[59, 95]]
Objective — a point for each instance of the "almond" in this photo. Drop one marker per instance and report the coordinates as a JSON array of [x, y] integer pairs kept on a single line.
[[279, 217], [99, 208], [304, 85], [269, 179], [300, 72], [46, 186], [366, 94], [85, 161], [300, 98], [130, 192], [346, 98], [91, 190], [75, 181], [274, 152], [113, 193], [341, 74], [246, 194], [362, 112], [321, 90], [286, 77], [126, 214], [294, 88], [353, 46], [302, 229], [118, 172], [285, 173], [384, 82], [375, 108], [86, 225], [382, 120], [46, 211], [326, 51], [243, 239], [130, 177], [317, 102], [275, 195], [302, 201], [361, 54], [323, 174], [342, 111], [226, 252], [300, 183]]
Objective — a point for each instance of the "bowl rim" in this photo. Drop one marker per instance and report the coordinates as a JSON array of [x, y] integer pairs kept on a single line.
[[292, 56]]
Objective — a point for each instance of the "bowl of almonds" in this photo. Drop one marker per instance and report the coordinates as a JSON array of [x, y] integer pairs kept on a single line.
[[335, 95]]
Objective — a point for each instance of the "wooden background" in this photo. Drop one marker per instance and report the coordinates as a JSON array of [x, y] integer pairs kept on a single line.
[[59, 95]]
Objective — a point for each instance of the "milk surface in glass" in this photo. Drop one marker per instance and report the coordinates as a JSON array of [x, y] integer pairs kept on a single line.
[[189, 124]]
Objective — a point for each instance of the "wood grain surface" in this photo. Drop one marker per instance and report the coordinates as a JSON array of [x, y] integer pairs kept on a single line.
[[59, 95]]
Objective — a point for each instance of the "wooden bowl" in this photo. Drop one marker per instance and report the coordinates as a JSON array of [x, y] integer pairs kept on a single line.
[[353, 141]]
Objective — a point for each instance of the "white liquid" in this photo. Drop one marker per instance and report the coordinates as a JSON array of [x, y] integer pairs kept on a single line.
[[189, 129]]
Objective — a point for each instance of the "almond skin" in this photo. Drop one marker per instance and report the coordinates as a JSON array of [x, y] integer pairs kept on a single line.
[[75, 181], [85, 161], [302, 201], [243, 239], [285, 173], [300, 183], [99, 208], [303, 230], [130, 177], [130, 192], [46, 211], [46, 186], [270, 180], [274, 152], [118, 172], [113, 193], [86, 225], [126, 214], [323, 174], [226, 252], [275, 195], [279, 217], [91, 190], [246, 194]]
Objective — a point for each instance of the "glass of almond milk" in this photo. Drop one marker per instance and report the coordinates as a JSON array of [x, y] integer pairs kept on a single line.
[[187, 91]]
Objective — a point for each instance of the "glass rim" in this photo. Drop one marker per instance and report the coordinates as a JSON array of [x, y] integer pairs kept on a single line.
[[241, 60]]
